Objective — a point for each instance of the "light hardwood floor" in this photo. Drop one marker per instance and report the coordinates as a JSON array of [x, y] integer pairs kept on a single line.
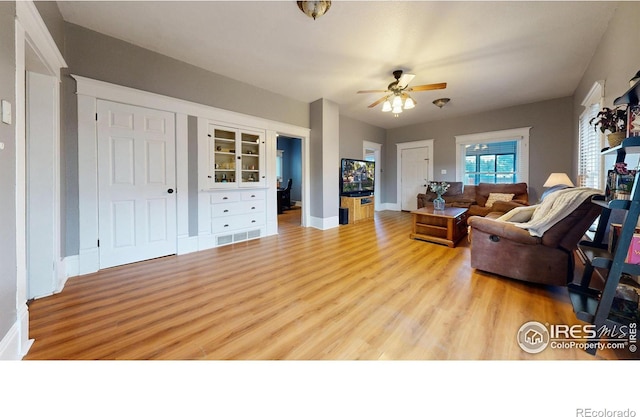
[[359, 291]]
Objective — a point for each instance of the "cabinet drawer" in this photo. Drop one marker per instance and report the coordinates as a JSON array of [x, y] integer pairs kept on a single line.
[[224, 197], [227, 209], [253, 195], [253, 206], [233, 223]]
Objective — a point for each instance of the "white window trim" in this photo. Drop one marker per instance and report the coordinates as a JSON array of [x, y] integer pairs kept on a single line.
[[595, 95], [520, 134]]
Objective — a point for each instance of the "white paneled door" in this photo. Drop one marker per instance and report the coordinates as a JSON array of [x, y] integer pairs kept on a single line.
[[414, 175], [136, 183]]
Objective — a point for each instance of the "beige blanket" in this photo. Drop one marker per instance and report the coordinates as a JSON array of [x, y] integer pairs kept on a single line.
[[555, 207]]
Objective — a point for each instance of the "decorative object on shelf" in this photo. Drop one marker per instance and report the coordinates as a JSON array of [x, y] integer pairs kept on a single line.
[[620, 182], [440, 102], [314, 9], [612, 120], [439, 188], [633, 121]]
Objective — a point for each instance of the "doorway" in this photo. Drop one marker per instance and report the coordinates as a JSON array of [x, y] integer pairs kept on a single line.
[[372, 151], [289, 167]]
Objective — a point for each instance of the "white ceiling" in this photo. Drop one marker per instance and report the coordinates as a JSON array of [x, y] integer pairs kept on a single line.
[[491, 54]]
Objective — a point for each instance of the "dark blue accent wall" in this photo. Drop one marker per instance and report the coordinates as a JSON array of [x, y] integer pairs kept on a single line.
[[292, 164]]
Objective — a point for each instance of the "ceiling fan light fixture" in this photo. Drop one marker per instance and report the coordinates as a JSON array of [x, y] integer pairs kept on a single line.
[[440, 102], [397, 102], [409, 103], [314, 9], [386, 107], [397, 110]]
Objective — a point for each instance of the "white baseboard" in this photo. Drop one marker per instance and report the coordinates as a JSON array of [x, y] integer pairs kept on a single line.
[[389, 206], [324, 223], [16, 343], [187, 244], [88, 261], [71, 266]]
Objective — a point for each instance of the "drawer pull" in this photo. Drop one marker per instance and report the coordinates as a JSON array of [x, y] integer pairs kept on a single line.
[[253, 208], [226, 225], [226, 211], [225, 198], [253, 196], [253, 221]]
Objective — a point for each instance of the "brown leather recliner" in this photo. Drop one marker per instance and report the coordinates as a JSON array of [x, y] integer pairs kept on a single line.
[[504, 249]]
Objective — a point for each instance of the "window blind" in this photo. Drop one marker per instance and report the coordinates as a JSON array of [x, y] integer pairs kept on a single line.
[[589, 150]]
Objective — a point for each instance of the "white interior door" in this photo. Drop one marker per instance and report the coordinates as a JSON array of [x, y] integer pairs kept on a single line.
[[414, 175], [136, 183]]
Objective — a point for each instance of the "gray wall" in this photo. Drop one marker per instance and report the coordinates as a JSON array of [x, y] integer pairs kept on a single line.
[[53, 20], [353, 133], [104, 58], [8, 265], [615, 61], [550, 145]]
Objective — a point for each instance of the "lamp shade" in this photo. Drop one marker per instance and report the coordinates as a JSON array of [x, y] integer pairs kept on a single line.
[[409, 103], [558, 178], [386, 106]]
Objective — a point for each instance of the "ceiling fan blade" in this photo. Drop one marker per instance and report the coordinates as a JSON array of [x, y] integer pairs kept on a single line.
[[371, 91], [427, 87], [375, 103], [404, 80]]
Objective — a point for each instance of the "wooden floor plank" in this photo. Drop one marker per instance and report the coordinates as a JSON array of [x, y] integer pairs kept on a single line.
[[359, 291]]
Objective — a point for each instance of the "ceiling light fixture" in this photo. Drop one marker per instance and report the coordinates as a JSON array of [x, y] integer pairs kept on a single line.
[[440, 102], [386, 107], [314, 8], [409, 103]]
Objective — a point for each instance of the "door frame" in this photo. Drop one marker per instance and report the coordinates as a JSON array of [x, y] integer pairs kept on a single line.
[[31, 32], [377, 151], [410, 145]]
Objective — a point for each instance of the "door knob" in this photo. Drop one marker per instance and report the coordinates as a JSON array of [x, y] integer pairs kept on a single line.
[[170, 190]]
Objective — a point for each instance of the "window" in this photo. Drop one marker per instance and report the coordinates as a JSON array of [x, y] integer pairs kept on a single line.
[[490, 162], [500, 157], [590, 142], [279, 156]]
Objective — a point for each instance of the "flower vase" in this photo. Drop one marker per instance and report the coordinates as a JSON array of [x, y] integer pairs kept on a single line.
[[438, 203]]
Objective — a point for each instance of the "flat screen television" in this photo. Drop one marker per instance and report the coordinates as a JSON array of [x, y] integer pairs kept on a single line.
[[356, 177]]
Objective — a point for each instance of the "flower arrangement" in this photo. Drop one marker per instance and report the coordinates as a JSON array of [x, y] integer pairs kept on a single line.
[[613, 120], [439, 187]]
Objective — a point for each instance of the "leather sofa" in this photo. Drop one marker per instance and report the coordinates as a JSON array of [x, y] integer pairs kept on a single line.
[[474, 197], [484, 190]]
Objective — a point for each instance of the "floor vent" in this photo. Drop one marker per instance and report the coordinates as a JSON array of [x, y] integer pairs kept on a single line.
[[239, 237], [252, 234], [224, 240]]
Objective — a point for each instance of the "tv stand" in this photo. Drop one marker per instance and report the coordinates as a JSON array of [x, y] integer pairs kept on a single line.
[[360, 208]]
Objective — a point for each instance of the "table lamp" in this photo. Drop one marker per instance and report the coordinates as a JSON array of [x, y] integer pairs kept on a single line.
[[558, 178], [556, 181]]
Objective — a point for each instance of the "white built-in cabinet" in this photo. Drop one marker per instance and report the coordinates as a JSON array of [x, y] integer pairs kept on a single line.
[[233, 183], [236, 158]]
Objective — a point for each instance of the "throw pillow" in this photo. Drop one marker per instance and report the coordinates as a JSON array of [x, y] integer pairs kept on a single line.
[[493, 197], [518, 214]]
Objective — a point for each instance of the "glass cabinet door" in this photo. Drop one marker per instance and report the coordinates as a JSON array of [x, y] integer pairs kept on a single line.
[[250, 170], [223, 150]]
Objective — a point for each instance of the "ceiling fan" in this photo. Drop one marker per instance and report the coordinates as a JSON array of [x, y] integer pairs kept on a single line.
[[398, 97]]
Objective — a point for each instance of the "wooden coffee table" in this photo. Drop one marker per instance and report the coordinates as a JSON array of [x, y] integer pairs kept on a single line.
[[446, 226]]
